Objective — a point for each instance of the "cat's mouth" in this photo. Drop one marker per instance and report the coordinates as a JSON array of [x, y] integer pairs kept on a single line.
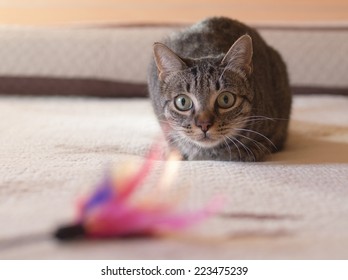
[[206, 140]]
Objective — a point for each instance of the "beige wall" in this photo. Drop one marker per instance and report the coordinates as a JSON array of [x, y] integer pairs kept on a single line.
[[72, 11]]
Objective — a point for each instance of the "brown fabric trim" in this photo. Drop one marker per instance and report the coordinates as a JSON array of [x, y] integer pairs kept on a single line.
[[319, 90], [70, 86], [105, 88]]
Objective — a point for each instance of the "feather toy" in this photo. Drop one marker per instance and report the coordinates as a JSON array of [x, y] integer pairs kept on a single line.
[[111, 210]]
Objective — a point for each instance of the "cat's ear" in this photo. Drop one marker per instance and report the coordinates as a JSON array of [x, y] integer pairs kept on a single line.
[[166, 60], [239, 56]]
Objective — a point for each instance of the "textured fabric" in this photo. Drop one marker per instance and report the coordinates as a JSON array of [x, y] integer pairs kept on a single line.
[[53, 150], [45, 86], [315, 56]]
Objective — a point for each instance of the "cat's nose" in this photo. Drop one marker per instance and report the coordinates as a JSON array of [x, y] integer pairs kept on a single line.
[[204, 121], [204, 126]]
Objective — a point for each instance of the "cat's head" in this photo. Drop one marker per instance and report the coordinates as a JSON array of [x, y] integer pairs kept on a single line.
[[205, 99]]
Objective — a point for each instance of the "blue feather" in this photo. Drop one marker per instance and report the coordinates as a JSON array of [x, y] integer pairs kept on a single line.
[[103, 193]]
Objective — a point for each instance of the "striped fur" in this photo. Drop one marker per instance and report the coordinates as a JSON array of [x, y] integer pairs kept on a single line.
[[203, 63]]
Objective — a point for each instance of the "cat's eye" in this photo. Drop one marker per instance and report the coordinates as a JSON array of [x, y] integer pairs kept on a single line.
[[183, 102], [226, 100]]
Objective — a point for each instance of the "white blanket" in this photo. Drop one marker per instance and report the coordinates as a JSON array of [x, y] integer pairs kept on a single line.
[[292, 206]]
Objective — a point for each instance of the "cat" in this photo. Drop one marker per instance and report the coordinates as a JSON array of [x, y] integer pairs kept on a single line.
[[220, 92]]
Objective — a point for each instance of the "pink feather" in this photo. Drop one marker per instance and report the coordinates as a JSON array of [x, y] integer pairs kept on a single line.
[[108, 212]]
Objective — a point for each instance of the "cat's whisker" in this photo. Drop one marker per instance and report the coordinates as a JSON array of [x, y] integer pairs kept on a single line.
[[259, 118], [175, 127], [258, 133], [228, 147], [176, 140], [256, 143], [273, 118], [246, 122], [249, 152], [254, 119], [240, 155]]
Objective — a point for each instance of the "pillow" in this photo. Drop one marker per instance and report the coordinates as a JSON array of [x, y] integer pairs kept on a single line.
[[315, 56], [111, 61]]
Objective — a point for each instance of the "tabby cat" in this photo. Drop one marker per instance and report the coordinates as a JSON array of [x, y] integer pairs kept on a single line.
[[220, 92]]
